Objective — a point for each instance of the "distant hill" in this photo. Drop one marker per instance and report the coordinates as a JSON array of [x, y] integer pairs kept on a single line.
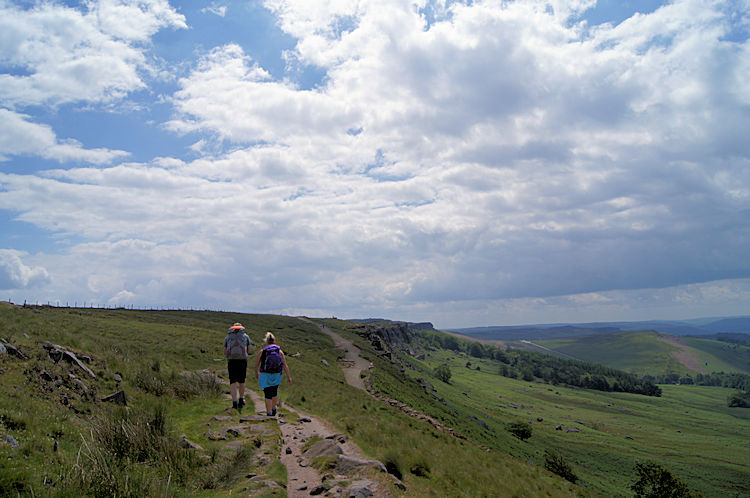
[[650, 352], [693, 327]]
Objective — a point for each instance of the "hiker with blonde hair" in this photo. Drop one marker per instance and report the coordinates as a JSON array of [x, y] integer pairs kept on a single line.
[[269, 364], [237, 346]]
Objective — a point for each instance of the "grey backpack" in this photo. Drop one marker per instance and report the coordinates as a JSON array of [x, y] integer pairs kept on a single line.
[[237, 349]]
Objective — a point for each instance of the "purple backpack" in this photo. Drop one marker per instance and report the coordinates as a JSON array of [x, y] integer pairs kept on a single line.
[[273, 361]]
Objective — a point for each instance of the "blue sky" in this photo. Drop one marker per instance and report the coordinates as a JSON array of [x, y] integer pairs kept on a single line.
[[466, 163]]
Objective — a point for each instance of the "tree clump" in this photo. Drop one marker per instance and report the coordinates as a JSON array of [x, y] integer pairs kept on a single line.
[[519, 429], [555, 463], [655, 481]]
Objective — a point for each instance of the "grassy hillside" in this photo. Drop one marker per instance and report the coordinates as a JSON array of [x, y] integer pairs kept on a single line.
[[689, 429], [70, 443], [653, 353]]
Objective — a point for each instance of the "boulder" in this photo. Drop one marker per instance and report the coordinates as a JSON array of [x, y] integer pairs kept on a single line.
[[572, 429], [117, 398], [341, 438], [346, 464], [324, 362], [317, 490], [11, 441], [216, 436], [360, 489], [235, 431], [2, 349], [184, 442], [57, 353], [11, 350]]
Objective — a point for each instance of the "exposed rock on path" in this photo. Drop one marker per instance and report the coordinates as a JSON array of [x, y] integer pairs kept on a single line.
[[303, 479]]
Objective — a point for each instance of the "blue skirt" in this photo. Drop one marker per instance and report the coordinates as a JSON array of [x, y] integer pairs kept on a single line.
[[269, 379]]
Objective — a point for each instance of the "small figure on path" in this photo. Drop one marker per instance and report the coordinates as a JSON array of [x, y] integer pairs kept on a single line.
[[237, 346], [268, 367]]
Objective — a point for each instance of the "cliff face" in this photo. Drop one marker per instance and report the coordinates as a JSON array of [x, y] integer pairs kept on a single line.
[[387, 337]]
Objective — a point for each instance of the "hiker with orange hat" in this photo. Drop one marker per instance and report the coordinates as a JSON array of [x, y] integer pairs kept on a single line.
[[237, 346]]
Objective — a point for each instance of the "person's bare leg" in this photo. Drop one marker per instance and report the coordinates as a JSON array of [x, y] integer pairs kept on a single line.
[[242, 389], [269, 405], [233, 391]]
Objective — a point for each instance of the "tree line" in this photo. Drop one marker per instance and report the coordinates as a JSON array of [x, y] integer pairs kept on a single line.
[[529, 366]]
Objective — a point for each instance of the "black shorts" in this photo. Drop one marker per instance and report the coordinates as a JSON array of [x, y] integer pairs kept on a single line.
[[271, 392], [237, 371]]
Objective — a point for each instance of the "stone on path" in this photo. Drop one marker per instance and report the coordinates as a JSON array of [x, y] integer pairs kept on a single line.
[[318, 490], [324, 447], [360, 489]]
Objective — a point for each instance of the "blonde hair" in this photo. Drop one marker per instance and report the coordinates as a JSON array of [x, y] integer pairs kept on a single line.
[[270, 339]]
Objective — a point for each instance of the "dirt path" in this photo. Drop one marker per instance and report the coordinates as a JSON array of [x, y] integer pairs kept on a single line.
[[298, 430], [683, 354], [301, 476], [353, 365]]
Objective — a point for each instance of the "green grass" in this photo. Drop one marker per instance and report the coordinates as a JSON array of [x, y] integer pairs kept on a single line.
[[150, 350], [689, 429], [717, 356]]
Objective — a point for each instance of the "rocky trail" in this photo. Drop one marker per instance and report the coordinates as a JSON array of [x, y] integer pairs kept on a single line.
[[301, 438]]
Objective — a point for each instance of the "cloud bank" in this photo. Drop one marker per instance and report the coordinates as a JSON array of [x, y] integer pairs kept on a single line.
[[477, 162]]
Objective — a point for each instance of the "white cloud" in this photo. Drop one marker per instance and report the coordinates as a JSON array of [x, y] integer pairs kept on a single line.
[[14, 274], [19, 136], [216, 8], [57, 54]]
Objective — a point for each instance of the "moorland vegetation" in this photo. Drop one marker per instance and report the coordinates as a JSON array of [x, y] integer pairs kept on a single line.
[[449, 434]]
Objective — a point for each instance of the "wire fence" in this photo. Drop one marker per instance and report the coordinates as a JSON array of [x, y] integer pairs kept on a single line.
[[27, 303]]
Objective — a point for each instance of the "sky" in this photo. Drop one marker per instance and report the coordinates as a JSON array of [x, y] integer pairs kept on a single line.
[[467, 163]]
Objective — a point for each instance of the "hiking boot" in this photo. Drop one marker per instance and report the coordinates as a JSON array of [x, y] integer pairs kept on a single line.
[[234, 404], [241, 403], [273, 412]]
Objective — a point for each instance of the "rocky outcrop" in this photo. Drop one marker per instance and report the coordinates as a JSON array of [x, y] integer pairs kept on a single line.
[[11, 350], [57, 353], [387, 337]]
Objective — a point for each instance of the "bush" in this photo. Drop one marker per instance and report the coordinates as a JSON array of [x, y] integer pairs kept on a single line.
[[739, 400], [443, 372], [421, 469], [655, 481], [521, 430], [555, 463]]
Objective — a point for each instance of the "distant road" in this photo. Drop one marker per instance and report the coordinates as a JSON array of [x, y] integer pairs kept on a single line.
[[548, 349]]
